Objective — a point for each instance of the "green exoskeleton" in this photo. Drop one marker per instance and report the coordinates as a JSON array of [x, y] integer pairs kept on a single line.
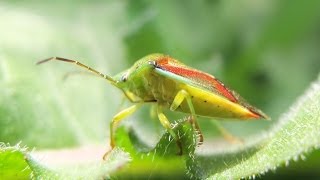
[[168, 83]]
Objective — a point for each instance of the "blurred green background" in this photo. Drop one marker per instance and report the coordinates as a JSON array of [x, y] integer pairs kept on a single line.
[[266, 50]]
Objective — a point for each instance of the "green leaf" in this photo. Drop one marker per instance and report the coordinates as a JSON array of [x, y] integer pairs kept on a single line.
[[162, 161], [158, 161], [40, 171], [18, 163], [295, 135], [12, 163]]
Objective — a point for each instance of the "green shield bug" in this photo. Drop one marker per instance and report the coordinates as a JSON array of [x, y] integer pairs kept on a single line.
[[168, 83]]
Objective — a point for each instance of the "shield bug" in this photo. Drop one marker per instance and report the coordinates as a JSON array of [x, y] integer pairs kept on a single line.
[[168, 83]]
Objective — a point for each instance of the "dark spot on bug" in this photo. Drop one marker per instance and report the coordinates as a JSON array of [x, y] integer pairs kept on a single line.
[[191, 96], [205, 101], [137, 66]]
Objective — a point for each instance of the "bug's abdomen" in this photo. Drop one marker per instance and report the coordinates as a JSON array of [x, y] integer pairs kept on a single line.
[[213, 105], [205, 103]]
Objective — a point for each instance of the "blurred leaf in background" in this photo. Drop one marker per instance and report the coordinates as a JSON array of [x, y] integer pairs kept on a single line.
[[266, 50]]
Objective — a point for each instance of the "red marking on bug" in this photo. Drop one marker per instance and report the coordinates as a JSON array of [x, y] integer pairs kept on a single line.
[[254, 114], [175, 67]]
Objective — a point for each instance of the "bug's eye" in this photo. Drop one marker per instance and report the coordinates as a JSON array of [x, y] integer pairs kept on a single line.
[[124, 78]]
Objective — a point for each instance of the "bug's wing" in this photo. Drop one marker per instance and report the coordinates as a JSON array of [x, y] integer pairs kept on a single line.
[[204, 81]]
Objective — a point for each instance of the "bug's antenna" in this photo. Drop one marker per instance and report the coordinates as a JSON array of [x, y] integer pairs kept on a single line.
[[110, 79]]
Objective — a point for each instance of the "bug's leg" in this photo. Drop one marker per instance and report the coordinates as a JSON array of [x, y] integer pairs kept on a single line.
[[153, 111], [193, 121], [153, 115], [116, 120], [166, 124], [226, 134], [178, 99]]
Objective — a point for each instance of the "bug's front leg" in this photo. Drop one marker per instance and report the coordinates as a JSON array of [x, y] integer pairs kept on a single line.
[[116, 120], [166, 124], [178, 99]]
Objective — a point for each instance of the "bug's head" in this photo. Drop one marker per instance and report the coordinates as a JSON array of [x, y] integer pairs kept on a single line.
[[138, 70]]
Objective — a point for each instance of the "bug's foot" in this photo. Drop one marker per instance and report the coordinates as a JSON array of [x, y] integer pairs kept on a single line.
[[200, 138], [106, 155], [199, 143]]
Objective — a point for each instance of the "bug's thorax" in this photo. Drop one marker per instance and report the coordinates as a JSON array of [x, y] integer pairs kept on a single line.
[[152, 87], [142, 83]]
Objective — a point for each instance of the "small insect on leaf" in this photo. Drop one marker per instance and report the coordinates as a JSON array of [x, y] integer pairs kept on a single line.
[[170, 84]]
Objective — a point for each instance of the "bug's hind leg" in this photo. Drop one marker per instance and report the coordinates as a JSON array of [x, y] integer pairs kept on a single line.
[[227, 135], [178, 99], [166, 124], [195, 124], [116, 120]]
